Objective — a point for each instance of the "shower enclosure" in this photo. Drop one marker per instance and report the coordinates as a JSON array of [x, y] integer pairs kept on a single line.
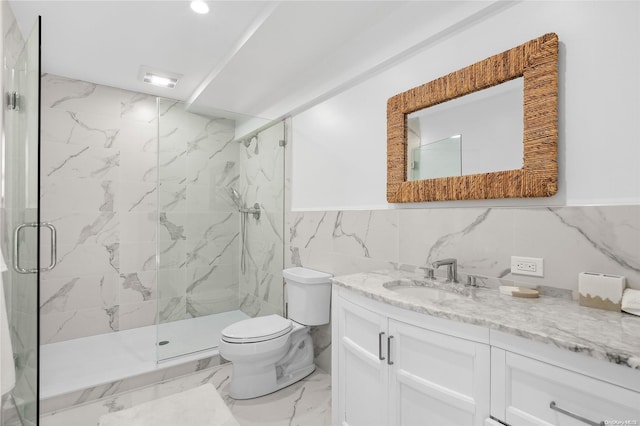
[[150, 243], [20, 223], [220, 227]]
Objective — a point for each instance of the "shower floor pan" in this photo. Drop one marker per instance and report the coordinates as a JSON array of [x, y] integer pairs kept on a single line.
[[77, 371]]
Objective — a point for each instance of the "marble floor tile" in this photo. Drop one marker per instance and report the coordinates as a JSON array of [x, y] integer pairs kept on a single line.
[[305, 403], [201, 406]]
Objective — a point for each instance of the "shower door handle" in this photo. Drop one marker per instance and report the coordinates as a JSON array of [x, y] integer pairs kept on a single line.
[[16, 247]]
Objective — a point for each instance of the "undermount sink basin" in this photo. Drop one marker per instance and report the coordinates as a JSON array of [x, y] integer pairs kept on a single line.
[[430, 290]]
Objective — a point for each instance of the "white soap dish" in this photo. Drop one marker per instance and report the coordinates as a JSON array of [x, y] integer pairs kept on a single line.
[[519, 291]]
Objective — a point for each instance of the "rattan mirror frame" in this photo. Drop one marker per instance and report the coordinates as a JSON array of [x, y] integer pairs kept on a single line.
[[537, 62]]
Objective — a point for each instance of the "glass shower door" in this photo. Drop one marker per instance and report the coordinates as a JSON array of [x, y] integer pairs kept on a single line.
[[20, 229], [218, 261], [197, 238]]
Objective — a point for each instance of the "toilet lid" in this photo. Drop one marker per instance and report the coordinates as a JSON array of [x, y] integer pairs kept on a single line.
[[257, 329]]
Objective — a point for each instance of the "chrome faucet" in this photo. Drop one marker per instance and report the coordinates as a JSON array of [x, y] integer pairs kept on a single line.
[[452, 268]]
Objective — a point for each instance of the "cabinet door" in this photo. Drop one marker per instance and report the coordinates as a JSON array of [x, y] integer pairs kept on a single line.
[[437, 379], [363, 376]]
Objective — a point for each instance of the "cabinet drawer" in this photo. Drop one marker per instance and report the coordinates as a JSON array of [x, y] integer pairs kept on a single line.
[[532, 386]]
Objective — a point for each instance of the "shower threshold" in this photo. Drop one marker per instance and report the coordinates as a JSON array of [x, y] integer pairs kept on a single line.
[[77, 371]]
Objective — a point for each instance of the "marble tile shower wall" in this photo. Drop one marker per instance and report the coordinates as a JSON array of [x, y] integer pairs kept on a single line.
[[570, 239], [101, 187], [199, 223], [262, 182], [98, 187]]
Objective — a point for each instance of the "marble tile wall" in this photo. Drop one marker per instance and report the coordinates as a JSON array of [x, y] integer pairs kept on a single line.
[[262, 181], [102, 189], [98, 187], [570, 239], [117, 387], [198, 241]]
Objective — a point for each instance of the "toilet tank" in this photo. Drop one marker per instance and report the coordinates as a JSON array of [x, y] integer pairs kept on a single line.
[[308, 295]]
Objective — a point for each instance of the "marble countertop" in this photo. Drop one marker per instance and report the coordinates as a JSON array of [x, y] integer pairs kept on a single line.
[[607, 335]]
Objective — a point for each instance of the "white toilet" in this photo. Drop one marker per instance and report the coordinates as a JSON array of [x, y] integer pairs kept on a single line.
[[271, 352]]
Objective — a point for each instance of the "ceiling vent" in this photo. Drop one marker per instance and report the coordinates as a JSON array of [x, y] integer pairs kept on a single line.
[[158, 78]]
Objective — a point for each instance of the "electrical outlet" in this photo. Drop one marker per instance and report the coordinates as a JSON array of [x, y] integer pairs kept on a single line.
[[527, 266]]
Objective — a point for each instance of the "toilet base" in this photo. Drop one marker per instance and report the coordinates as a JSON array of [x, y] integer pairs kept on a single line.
[[259, 389], [295, 377], [254, 379]]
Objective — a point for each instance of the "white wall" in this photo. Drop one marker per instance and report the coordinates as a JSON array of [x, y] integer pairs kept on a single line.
[[339, 146]]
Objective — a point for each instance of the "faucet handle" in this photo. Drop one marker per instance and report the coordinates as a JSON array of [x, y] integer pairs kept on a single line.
[[428, 271], [472, 281]]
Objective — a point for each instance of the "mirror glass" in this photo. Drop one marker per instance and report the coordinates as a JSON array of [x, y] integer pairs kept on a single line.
[[477, 133], [436, 159]]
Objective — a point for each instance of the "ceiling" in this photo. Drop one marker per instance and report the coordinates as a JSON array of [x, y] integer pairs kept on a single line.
[[261, 58]]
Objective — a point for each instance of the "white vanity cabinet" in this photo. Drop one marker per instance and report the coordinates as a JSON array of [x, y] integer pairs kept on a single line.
[[540, 386], [401, 360], [396, 367]]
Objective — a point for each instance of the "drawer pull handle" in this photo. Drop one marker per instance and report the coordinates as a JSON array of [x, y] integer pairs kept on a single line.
[[389, 350], [555, 407], [380, 357]]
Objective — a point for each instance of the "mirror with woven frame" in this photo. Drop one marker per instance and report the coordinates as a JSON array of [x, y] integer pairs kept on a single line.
[[537, 62]]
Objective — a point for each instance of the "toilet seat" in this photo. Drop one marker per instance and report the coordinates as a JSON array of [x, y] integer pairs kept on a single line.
[[258, 329]]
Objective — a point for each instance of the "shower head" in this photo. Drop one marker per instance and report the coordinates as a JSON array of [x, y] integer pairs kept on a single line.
[[236, 197]]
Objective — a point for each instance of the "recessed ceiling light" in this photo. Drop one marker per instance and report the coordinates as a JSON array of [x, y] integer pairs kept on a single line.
[[199, 6], [159, 80]]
